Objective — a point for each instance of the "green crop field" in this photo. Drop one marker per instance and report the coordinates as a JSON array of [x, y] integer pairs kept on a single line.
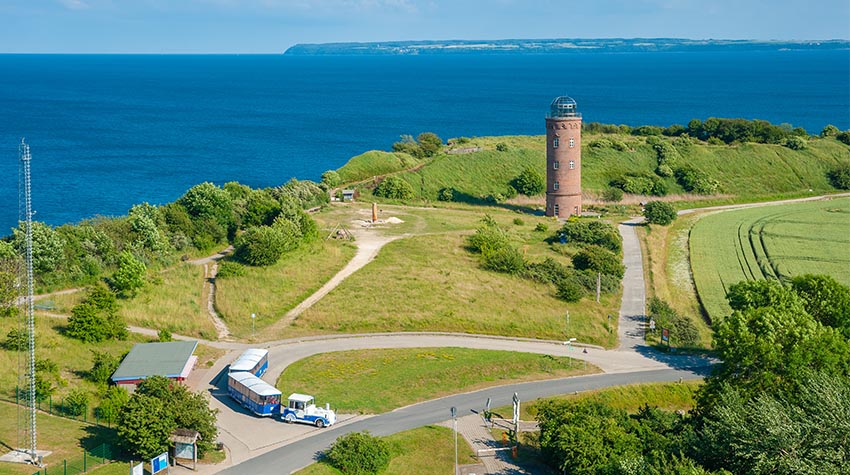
[[772, 242]]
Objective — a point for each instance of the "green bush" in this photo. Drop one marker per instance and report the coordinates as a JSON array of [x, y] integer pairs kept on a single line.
[[331, 178], [103, 366], [446, 194], [843, 137], [430, 143], [506, 259], [16, 340], [795, 143], [614, 195], [529, 182], [394, 188], [111, 404], [130, 275], [659, 212], [501, 147], [696, 181], [599, 259], [96, 317], [76, 402], [569, 290], [164, 335], [229, 269], [359, 453], [261, 245], [640, 184], [519, 222], [829, 131], [839, 176], [541, 227], [549, 271], [591, 232], [682, 330]]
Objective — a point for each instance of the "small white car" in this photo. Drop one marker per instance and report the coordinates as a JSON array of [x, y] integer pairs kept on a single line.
[[302, 408]]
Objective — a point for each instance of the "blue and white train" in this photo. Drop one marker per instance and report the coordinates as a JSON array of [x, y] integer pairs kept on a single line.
[[253, 360], [256, 395]]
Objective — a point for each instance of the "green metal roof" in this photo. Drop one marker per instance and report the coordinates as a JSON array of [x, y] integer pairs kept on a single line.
[[149, 359]]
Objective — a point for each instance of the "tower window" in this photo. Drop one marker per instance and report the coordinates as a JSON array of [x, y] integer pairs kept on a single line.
[[555, 142], [556, 186], [555, 165], [572, 142], [556, 209], [572, 165]]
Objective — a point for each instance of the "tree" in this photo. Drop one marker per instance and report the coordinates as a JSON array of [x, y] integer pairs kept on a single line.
[[260, 245], [529, 182], [103, 366], [76, 403], [16, 340], [599, 259], [8, 282], [824, 298], [112, 403], [614, 195], [359, 453], [206, 200], [829, 131], [47, 246], [430, 143], [130, 275], [261, 209], [505, 259], [395, 188], [839, 176], [795, 143], [96, 317], [159, 406], [751, 294], [331, 178], [144, 426], [843, 137], [775, 434], [659, 212]]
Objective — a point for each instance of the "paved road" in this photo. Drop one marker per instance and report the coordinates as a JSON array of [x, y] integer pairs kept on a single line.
[[632, 309], [301, 453]]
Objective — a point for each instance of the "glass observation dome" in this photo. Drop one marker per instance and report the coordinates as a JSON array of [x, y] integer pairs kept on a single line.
[[563, 106]]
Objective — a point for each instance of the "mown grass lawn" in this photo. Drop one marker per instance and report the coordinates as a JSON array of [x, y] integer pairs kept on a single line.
[[376, 381], [774, 242], [427, 450]]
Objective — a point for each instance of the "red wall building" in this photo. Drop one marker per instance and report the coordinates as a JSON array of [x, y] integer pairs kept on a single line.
[[563, 159]]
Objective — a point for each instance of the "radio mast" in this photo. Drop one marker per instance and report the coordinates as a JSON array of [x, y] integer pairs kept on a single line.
[[25, 207]]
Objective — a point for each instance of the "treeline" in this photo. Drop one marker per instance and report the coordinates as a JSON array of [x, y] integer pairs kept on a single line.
[[261, 223], [720, 130], [778, 403], [598, 257]]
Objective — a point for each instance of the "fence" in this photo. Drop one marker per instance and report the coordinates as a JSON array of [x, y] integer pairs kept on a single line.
[[89, 461], [60, 408]]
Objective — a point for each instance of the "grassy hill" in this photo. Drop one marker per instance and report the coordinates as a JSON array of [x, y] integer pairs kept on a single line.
[[747, 170]]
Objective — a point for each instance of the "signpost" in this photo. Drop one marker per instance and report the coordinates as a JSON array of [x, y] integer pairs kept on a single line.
[[138, 469], [665, 336], [159, 463], [454, 420], [253, 317], [516, 414]]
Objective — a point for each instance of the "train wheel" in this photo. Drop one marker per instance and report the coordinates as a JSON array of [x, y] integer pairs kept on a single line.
[[320, 423], [290, 418]]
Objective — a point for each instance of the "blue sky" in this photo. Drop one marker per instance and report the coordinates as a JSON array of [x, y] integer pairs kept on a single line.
[[270, 26]]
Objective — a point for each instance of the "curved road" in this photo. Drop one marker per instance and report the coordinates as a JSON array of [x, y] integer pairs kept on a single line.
[[632, 362]]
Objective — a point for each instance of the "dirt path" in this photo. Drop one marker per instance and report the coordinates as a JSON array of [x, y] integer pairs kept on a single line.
[[210, 264], [369, 242]]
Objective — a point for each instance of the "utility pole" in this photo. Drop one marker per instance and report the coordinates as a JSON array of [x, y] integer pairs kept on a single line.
[[454, 420]]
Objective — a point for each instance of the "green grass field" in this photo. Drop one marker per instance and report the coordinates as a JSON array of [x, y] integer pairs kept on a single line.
[[367, 381], [760, 169], [65, 438], [428, 450], [773, 242], [269, 292], [375, 162]]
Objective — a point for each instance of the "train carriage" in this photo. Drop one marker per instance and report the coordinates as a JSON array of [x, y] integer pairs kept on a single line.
[[253, 360], [256, 395]]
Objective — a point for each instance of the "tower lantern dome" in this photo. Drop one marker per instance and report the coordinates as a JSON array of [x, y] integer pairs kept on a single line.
[[563, 106]]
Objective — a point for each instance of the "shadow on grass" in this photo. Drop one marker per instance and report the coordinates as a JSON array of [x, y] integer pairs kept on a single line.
[[466, 198]]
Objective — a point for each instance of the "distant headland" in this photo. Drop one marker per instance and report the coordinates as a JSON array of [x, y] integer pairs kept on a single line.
[[563, 45]]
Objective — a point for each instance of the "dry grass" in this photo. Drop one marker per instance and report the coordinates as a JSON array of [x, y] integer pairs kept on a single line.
[[177, 303], [269, 292]]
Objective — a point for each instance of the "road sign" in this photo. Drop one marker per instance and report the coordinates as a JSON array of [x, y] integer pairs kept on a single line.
[[665, 335], [652, 324], [138, 469]]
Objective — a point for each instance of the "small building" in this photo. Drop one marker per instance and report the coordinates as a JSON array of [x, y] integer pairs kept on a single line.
[[347, 195], [173, 359]]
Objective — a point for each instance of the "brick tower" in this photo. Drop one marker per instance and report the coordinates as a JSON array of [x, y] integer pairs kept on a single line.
[[563, 159]]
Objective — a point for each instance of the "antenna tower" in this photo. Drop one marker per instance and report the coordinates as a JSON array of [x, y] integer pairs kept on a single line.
[[26, 373]]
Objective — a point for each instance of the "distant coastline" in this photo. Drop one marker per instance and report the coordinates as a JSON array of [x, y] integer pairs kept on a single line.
[[563, 45]]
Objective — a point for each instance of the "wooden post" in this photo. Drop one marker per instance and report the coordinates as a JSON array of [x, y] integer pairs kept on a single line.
[[598, 285]]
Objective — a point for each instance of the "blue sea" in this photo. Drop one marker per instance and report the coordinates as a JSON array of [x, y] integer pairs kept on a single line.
[[110, 131]]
